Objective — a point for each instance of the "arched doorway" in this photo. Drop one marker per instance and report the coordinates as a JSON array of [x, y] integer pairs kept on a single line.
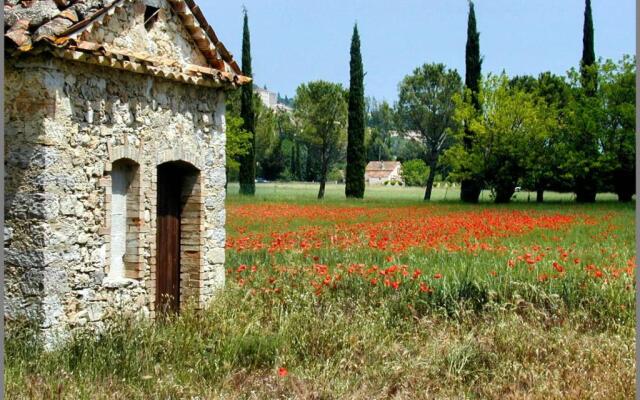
[[178, 216]]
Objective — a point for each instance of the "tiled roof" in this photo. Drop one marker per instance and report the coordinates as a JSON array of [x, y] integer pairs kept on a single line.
[[61, 24], [386, 166]]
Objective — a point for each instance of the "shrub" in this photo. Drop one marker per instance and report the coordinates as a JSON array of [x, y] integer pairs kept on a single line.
[[415, 173]]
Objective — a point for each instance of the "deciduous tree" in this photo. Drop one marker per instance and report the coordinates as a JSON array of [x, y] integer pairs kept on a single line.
[[618, 89], [321, 110], [426, 106], [510, 135]]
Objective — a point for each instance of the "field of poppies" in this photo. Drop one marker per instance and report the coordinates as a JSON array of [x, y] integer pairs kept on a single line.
[[434, 257], [383, 298]]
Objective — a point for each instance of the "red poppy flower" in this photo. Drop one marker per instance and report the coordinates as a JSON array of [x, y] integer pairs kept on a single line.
[[282, 372], [558, 267], [424, 288], [437, 276]]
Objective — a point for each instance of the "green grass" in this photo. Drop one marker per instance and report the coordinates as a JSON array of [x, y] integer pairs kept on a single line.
[[303, 192], [475, 335]]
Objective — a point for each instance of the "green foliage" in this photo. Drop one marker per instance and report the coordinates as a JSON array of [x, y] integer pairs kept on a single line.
[[547, 172], [410, 150], [426, 106], [335, 175], [272, 127], [377, 149], [266, 132], [583, 161], [509, 136], [247, 173], [381, 121], [321, 111], [618, 90], [273, 165], [238, 143], [415, 173], [356, 152]]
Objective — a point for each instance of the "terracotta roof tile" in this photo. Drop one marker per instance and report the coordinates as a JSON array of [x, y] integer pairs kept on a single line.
[[59, 23], [387, 166]]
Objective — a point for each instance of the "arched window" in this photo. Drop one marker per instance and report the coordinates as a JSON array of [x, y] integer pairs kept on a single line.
[[124, 215]]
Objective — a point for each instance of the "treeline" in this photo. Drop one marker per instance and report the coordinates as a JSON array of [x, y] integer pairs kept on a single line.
[[572, 133]]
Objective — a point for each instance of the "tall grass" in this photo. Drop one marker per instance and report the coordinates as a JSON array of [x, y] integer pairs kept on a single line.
[[475, 335]]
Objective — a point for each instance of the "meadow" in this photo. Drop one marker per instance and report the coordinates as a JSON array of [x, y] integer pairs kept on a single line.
[[388, 297]]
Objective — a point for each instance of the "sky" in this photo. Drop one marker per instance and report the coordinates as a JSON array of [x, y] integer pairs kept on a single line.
[[297, 41]]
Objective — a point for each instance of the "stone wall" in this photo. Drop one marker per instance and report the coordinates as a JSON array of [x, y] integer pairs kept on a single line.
[[66, 123], [167, 38]]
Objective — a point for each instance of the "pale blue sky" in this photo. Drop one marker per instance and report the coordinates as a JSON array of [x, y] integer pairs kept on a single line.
[[296, 41]]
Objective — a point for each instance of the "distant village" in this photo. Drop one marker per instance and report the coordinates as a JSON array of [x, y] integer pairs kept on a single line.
[[272, 100]]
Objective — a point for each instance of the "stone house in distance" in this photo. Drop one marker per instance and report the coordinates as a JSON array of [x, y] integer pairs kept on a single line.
[[115, 159], [379, 172]]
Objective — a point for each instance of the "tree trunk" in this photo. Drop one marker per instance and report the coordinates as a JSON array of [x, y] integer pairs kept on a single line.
[[503, 196], [539, 195], [585, 190], [585, 196], [433, 163], [504, 192], [323, 177], [470, 191], [624, 196], [321, 191], [624, 185]]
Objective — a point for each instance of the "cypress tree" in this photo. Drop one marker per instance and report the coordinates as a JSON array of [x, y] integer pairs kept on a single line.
[[470, 188], [588, 52], [356, 156], [247, 174], [586, 184]]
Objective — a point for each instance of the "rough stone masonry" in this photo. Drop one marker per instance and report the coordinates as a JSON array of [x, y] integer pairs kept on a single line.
[[115, 103]]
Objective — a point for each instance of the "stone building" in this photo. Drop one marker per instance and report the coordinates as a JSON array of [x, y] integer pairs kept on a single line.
[[115, 159], [379, 172]]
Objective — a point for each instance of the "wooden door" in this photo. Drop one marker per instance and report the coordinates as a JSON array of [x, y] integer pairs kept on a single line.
[[170, 182]]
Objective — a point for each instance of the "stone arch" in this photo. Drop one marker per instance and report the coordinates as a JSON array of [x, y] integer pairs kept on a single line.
[[180, 155], [124, 169]]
